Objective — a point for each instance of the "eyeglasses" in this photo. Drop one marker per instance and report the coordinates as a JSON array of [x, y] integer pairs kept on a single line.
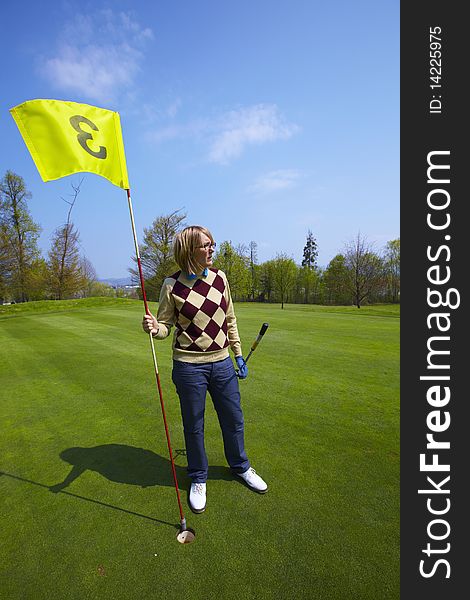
[[208, 245]]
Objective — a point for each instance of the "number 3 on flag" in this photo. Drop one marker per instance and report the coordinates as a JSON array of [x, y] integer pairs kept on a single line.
[[52, 128], [84, 136]]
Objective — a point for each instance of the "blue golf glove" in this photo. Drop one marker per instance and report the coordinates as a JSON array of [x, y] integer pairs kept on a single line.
[[243, 369]]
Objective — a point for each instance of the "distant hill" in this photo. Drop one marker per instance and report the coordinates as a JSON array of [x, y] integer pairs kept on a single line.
[[117, 281]]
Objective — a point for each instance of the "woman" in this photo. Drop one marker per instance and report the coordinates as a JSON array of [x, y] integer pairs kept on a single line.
[[196, 299]]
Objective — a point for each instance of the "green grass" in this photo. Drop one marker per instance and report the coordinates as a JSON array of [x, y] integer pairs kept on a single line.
[[321, 407]]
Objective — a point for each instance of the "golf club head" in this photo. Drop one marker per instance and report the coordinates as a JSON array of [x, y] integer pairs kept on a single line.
[[186, 536], [262, 331]]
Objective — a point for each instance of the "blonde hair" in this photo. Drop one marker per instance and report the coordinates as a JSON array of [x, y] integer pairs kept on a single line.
[[184, 246]]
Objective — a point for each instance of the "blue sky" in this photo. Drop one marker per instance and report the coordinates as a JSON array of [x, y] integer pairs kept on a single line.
[[261, 119]]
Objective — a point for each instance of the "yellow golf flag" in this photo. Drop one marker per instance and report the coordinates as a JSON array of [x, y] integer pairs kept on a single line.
[[67, 137]]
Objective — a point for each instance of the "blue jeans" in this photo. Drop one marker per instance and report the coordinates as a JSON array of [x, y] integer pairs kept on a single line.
[[192, 382]]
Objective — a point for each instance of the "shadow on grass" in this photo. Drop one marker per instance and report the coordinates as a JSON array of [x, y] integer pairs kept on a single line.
[[123, 464], [129, 512], [129, 465]]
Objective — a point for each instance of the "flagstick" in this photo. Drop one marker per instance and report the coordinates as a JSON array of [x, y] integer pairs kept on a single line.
[[154, 356]]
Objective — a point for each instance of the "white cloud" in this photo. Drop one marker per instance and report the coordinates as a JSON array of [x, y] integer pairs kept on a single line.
[[229, 134], [273, 181], [98, 56], [251, 125]]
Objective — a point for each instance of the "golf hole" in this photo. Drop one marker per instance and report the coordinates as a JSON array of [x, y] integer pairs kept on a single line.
[[186, 537]]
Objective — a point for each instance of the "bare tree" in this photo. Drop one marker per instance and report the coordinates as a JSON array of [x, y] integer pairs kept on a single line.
[[65, 274], [364, 269], [156, 251]]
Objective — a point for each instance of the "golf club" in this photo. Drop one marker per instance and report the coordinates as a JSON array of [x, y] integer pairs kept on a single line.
[[185, 534], [262, 331]]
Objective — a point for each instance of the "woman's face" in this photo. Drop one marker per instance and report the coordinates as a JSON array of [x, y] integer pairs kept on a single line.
[[203, 255]]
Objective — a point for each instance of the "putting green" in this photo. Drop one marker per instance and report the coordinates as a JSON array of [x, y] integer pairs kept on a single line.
[[88, 506]]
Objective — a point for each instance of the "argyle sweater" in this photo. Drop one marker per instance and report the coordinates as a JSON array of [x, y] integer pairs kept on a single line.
[[201, 309]]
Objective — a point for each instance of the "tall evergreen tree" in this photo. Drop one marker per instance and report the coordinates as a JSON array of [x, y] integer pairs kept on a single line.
[[309, 263], [310, 252]]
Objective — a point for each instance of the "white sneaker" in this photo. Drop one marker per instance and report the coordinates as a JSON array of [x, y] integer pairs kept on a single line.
[[197, 497], [254, 481]]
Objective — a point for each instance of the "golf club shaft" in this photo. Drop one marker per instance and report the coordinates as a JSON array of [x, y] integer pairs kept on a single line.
[[154, 356]]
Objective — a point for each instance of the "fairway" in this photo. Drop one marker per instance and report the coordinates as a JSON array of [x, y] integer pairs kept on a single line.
[[89, 510]]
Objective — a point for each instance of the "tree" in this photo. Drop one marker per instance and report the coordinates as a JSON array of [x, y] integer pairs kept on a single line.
[[20, 234], [285, 271], [156, 251], [308, 282], [88, 276], [99, 288], [335, 279], [234, 263], [6, 262], [391, 261], [364, 269], [266, 280], [319, 288], [253, 249], [65, 273], [307, 277], [38, 280], [310, 252]]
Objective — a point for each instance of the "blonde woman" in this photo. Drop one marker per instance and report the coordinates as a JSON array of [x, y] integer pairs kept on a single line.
[[197, 301]]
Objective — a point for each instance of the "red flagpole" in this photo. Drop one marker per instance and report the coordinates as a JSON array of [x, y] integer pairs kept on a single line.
[[154, 356]]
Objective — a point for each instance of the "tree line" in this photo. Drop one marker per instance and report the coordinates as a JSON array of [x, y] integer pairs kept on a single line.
[[357, 275], [24, 273]]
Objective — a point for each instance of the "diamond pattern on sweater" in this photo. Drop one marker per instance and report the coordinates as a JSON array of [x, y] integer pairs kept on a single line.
[[179, 289], [219, 317], [201, 323], [215, 295], [219, 283], [201, 287], [208, 307]]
